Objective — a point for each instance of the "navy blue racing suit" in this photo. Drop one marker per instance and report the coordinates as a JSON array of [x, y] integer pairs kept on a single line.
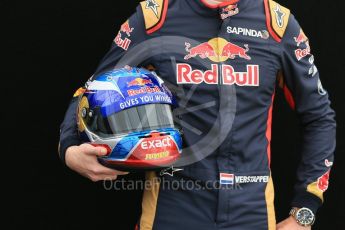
[[224, 63]]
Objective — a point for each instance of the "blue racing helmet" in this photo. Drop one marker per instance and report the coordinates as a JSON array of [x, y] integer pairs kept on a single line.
[[129, 112]]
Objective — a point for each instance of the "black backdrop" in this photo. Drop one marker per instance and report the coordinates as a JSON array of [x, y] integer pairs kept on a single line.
[[52, 47]]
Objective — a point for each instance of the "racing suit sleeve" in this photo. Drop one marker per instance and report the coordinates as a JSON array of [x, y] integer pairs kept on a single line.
[[305, 94], [131, 34]]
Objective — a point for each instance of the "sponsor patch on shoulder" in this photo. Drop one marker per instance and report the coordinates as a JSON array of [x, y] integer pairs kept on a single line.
[[277, 19], [154, 12], [122, 39]]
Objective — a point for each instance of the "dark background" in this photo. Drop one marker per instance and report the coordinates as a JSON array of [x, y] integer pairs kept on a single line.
[[51, 47]]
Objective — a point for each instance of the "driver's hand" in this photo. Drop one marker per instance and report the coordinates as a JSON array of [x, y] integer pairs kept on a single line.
[[83, 160]]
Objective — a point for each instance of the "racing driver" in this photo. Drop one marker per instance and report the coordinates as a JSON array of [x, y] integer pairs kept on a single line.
[[224, 58]]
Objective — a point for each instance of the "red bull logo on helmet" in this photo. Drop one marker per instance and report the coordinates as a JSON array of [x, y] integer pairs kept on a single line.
[[143, 90], [217, 50], [139, 82], [141, 86]]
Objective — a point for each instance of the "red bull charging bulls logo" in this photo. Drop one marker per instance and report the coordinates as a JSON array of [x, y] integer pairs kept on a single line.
[[139, 82], [203, 50], [231, 50], [302, 39], [217, 50], [125, 28]]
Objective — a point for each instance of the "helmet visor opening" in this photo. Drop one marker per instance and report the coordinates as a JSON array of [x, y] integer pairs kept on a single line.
[[136, 119]]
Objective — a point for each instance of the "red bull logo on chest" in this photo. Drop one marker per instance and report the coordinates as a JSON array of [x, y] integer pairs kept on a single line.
[[223, 74], [217, 50]]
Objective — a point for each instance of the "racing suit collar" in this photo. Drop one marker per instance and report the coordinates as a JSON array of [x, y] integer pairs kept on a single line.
[[202, 8], [223, 4]]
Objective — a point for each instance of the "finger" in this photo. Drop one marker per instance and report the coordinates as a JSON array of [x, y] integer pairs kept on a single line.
[[109, 178], [103, 177], [94, 178], [96, 151], [99, 169], [113, 171]]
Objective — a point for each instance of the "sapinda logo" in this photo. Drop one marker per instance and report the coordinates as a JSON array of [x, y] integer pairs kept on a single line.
[[248, 32], [157, 143]]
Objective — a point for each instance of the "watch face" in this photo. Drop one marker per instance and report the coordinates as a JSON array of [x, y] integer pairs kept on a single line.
[[305, 217]]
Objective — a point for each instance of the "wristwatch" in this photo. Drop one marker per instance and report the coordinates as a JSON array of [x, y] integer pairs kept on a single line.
[[304, 216]]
